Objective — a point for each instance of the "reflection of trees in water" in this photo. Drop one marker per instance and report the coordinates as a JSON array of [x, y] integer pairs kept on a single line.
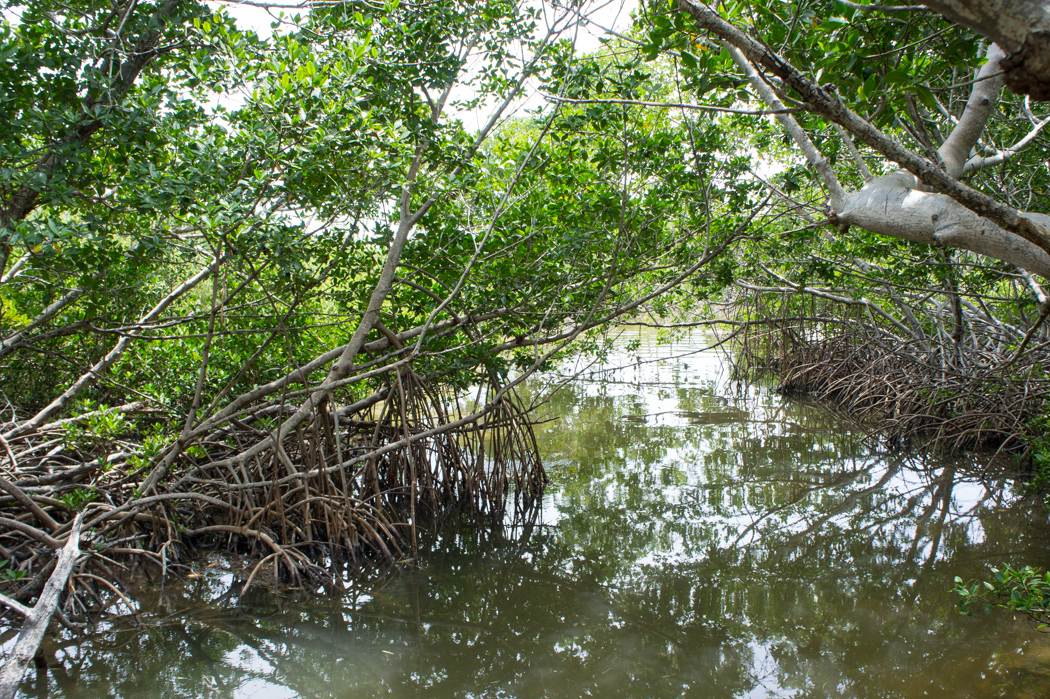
[[708, 560], [531, 614]]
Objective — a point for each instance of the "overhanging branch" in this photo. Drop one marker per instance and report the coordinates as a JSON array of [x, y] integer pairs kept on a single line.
[[827, 104]]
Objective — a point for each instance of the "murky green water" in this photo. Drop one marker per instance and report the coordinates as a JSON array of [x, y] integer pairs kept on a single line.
[[698, 539]]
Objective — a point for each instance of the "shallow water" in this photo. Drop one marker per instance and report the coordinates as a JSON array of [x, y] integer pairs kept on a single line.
[[698, 538]]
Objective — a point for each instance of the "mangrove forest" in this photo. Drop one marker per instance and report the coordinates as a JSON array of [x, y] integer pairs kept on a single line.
[[553, 348]]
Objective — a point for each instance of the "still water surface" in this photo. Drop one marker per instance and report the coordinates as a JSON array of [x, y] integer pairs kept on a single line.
[[698, 539]]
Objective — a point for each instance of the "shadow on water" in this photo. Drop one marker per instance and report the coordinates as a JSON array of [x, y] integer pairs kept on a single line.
[[698, 538]]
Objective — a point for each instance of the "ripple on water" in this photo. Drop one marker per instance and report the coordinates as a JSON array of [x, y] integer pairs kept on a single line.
[[699, 538]]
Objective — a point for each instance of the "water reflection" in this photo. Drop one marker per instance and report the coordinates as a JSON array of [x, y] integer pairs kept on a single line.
[[699, 538]]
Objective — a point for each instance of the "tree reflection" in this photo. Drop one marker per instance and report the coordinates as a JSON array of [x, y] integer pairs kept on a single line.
[[769, 552]]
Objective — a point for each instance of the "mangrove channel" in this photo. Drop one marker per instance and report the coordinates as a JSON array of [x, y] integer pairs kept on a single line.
[[699, 537]]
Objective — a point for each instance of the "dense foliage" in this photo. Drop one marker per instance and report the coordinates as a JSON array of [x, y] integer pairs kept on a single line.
[[272, 286], [273, 289]]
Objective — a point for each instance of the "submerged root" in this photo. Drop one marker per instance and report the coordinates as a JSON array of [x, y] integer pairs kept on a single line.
[[348, 483], [910, 397]]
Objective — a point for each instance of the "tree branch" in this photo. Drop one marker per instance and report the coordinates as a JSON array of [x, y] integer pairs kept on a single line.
[[861, 165], [25, 198], [979, 162], [882, 8], [39, 617], [979, 108], [103, 364], [1020, 27], [814, 156], [827, 104], [891, 206], [678, 105]]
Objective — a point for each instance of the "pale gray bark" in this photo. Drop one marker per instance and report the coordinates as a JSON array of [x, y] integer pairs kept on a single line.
[[1020, 27], [979, 162], [898, 205], [892, 206], [7, 343], [15, 270], [825, 102], [955, 150], [815, 158], [39, 617]]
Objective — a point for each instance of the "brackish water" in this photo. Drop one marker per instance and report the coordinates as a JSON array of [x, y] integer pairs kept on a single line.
[[698, 539]]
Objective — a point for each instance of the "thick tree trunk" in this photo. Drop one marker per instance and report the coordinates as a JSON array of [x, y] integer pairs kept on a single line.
[[901, 204], [893, 206], [1020, 27], [825, 103]]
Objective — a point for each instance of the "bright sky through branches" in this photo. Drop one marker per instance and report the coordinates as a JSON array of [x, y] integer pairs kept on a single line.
[[596, 19]]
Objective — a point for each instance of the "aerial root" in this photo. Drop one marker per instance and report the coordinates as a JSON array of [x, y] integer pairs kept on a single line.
[[908, 396], [341, 486]]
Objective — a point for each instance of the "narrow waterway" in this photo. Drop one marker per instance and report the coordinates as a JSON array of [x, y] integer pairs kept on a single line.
[[699, 538]]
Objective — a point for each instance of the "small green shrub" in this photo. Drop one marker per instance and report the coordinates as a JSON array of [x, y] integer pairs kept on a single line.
[[7, 573], [1023, 590], [77, 499]]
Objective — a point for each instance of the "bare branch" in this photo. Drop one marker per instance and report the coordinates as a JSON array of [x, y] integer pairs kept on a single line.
[[883, 8], [979, 108], [679, 105], [815, 158], [39, 617], [979, 162], [857, 158], [826, 103]]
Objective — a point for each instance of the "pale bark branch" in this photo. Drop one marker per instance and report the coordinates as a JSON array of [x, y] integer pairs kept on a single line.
[[891, 206], [23, 499], [16, 269], [813, 156], [677, 105], [882, 8], [825, 103], [39, 617], [979, 162], [979, 108], [857, 158], [15, 605], [7, 343]]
